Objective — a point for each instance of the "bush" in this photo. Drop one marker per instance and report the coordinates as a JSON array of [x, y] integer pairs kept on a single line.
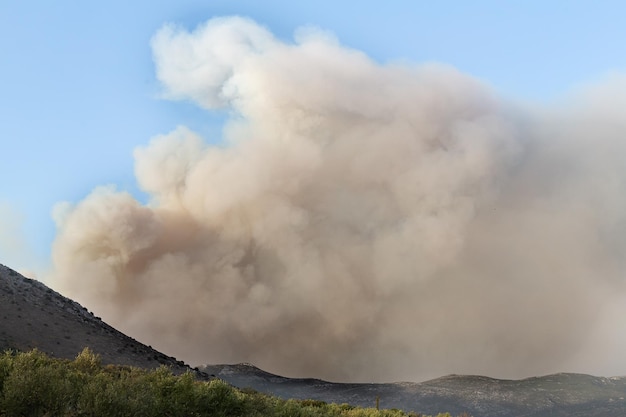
[[37, 385]]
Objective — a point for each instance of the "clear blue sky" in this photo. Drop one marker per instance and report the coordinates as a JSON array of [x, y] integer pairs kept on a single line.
[[78, 91]]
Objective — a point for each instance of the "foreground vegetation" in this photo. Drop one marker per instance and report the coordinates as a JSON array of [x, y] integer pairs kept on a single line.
[[33, 384]]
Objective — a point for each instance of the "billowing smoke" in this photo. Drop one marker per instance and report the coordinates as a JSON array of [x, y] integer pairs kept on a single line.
[[361, 221]]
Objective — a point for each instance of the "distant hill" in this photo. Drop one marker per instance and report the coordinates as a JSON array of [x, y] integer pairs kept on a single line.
[[560, 395], [34, 316]]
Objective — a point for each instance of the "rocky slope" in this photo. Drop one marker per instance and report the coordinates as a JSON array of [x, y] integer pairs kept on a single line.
[[34, 316], [557, 395]]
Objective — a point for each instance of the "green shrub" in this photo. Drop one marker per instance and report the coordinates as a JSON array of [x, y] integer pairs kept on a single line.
[[6, 364], [87, 362], [36, 386]]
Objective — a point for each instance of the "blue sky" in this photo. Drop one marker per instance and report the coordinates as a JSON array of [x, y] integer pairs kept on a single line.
[[78, 90]]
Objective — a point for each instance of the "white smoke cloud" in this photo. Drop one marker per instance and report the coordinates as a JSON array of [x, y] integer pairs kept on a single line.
[[360, 221]]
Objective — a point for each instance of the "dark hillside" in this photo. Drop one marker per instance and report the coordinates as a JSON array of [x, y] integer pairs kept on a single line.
[[34, 316], [560, 395]]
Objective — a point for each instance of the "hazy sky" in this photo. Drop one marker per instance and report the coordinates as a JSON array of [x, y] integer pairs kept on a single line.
[[78, 90]]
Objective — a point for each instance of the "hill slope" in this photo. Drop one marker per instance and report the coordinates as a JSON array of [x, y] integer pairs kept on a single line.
[[34, 316], [557, 395]]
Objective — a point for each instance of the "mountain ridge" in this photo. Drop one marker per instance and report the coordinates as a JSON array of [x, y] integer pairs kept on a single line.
[[555, 395]]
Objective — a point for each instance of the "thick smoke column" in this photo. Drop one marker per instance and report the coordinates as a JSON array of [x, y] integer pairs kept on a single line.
[[361, 221]]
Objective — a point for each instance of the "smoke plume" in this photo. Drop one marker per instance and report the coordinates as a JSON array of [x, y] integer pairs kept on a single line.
[[361, 221]]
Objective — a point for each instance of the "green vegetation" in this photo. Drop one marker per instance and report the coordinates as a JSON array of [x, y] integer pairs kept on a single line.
[[33, 384]]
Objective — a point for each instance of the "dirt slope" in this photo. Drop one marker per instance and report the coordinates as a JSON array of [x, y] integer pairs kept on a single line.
[[34, 316]]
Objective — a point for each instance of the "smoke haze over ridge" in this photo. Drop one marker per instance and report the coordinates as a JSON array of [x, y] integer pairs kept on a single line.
[[361, 221]]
